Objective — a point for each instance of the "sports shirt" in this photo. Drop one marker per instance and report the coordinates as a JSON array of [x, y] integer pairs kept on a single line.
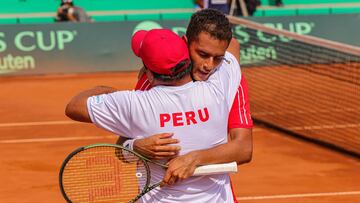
[[195, 112]]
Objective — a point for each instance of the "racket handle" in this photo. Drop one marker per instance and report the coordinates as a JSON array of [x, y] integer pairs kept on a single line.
[[213, 169]]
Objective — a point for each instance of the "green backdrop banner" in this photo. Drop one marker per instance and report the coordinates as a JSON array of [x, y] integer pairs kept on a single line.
[[343, 28], [101, 47]]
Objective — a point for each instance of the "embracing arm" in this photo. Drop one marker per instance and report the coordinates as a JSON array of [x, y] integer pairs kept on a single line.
[[234, 49], [158, 146], [238, 149], [77, 110]]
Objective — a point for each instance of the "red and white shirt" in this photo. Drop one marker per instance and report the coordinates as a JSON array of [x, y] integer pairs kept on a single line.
[[194, 112]]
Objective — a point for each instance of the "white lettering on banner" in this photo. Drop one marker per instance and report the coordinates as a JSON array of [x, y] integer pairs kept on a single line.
[[10, 63]]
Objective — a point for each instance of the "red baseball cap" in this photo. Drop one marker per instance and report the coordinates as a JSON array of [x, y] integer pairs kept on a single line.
[[161, 50]]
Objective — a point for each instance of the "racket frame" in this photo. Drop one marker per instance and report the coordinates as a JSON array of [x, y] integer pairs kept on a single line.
[[142, 158], [145, 161]]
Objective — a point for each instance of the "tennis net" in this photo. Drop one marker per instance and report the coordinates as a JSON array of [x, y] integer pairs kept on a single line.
[[301, 84]]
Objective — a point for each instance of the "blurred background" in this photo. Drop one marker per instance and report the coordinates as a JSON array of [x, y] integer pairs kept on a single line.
[[301, 59]]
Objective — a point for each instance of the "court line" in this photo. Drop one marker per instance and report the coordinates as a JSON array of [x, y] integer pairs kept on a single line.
[[62, 139], [67, 122], [54, 139], [19, 124], [321, 127], [289, 196]]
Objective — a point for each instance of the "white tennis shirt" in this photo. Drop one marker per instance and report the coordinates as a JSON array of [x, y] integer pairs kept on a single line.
[[197, 114]]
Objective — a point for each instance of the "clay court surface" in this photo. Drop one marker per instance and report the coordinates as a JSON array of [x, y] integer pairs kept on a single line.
[[35, 137]]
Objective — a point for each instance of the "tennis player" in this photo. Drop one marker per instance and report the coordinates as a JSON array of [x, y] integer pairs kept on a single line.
[[196, 112], [208, 37]]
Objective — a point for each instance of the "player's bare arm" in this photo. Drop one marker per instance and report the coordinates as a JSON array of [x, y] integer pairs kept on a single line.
[[243, 138], [239, 149], [77, 110], [234, 49], [158, 146]]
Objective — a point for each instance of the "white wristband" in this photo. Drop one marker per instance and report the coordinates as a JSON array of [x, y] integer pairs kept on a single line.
[[129, 144]]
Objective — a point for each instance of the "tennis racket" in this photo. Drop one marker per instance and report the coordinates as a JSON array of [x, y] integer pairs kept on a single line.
[[112, 173]]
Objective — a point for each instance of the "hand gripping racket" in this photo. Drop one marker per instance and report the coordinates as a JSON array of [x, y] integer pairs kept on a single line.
[[112, 173]]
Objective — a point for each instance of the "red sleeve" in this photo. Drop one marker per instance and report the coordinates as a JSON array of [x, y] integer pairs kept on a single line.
[[239, 116], [143, 83]]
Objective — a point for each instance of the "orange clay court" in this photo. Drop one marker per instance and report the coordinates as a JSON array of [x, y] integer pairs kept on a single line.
[[36, 136]]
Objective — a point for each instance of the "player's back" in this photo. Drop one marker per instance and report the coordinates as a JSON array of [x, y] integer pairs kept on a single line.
[[196, 113]]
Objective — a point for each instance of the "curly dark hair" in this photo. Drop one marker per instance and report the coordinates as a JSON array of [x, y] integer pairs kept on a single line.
[[210, 21]]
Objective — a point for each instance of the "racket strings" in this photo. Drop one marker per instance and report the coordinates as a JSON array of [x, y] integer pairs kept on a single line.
[[104, 174]]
